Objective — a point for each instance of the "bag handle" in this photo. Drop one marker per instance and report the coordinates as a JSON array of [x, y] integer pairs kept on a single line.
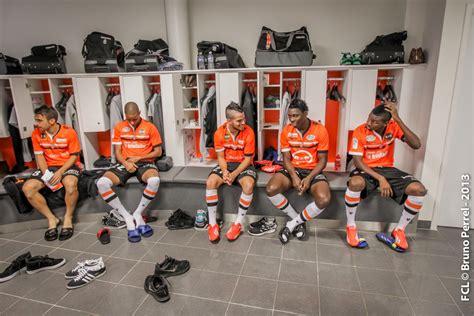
[[288, 43]]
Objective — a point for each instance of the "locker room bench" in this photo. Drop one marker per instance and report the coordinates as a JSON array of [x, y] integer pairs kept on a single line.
[[184, 187]]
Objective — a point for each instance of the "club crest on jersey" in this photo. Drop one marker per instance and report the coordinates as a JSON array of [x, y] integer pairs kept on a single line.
[[291, 135], [370, 138], [226, 136], [240, 141], [141, 131], [310, 137], [388, 136], [126, 129]]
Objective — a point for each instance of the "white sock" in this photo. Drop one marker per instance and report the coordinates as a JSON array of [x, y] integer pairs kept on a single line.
[[352, 200], [212, 199], [282, 203], [411, 208], [244, 204], [105, 189], [309, 212], [153, 183]]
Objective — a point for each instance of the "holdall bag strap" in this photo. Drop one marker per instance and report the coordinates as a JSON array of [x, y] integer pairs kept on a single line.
[[288, 43]]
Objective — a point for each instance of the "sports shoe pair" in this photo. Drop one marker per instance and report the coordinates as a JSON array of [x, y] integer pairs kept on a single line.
[[298, 232], [352, 238], [350, 59], [214, 231], [85, 272], [180, 220], [157, 285]]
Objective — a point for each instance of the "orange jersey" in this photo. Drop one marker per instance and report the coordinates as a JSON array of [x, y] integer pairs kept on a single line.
[[304, 147], [137, 141], [376, 150], [235, 148], [58, 148]]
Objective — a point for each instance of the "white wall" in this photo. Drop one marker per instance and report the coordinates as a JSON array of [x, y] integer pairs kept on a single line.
[[26, 23]]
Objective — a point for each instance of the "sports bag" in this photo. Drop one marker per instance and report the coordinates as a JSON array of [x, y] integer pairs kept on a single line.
[[276, 49], [45, 59], [385, 49], [146, 55], [225, 56], [9, 65], [102, 53]]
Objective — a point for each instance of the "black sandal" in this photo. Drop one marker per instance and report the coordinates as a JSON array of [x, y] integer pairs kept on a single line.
[[66, 233], [51, 234]]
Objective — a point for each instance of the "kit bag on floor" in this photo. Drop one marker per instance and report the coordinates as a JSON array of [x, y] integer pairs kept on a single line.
[[385, 49], [45, 59], [276, 49], [9, 65], [146, 55], [102, 53], [223, 55]]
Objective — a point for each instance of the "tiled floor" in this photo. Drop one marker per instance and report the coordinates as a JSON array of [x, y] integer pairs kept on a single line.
[[252, 276]]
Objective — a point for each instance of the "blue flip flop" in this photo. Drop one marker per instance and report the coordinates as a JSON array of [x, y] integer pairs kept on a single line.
[[145, 230], [134, 235]]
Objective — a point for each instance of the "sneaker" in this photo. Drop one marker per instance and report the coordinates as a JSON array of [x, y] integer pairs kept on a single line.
[[284, 235], [346, 59], [201, 222], [353, 239], [266, 225], [87, 274], [300, 231], [213, 231], [40, 263], [88, 264], [400, 238], [157, 287], [111, 220], [180, 220], [234, 231], [356, 59], [15, 267], [171, 267]]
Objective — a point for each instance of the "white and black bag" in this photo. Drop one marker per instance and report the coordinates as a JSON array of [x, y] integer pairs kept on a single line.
[[45, 59], [146, 55], [102, 53]]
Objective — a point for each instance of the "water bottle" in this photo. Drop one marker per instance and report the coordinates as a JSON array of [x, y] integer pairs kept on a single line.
[[200, 61], [210, 61], [337, 163]]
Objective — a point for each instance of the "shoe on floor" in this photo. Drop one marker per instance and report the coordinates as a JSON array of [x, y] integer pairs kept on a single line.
[[266, 225], [40, 263], [300, 231], [172, 267], [180, 220], [213, 231], [87, 274], [15, 267], [353, 239], [111, 220], [157, 287], [284, 235], [201, 222], [234, 231], [87, 264], [400, 238]]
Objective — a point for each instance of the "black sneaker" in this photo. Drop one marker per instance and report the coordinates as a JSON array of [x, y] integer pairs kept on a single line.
[[87, 264], [180, 220], [300, 231], [39, 263], [266, 225], [157, 286], [14, 268], [171, 267], [85, 276], [111, 220], [284, 235]]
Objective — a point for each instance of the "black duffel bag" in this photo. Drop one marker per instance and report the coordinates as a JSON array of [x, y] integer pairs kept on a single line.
[[9, 65], [45, 59], [385, 49], [225, 56], [102, 53], [51, 50], [276, 49], [146, 55]]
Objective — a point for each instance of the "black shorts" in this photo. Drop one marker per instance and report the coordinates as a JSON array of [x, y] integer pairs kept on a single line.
[[303, 173], [397, 179], [73, 171], [121, 172], [250, 171]]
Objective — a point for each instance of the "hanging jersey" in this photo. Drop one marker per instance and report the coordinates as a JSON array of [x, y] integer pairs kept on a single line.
[[376, 150], [235, 148], [304, 147], [58, 148], [137, 141]]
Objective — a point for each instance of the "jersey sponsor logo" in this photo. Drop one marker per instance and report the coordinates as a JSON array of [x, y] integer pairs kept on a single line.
[[302, 156], [226, 136], [370, 138], [240, 141], [61, 140], [292, 135], [134, 145], [355, 143], [141, 131], [310, 137], [126, 129], [377, 155], [388, 136]]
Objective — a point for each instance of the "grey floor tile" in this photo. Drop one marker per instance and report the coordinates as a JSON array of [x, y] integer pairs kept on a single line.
[[331, 236], [454, 288], [61, 311], [427, 308], [240, 245], [377, 259], [387, 305], [266, 247], [426, 264], [159, 251], [158, 233], [297, 298], [300, 251], [11, 236], [237, 310], [132, 251], [424, 287], [138, 274], [428, 233], [225, 262], [86, 298], [80, 227], [121, 300], [183, 284], [72, 258], [23, 283], [280, 313], [80, 242], [431, 246], [255, 292], [97, 248], [117, 269], [55, 243], [31, 236], [380, 282], [25, 307], [201, 240], [50, 290], [178, 237], [6, 301], [215, 286], [38, 250], [261, 267], [10, 249], [151, 307], [300, 272], [335, 255], [340, 302], [341, 277], [197, 306]]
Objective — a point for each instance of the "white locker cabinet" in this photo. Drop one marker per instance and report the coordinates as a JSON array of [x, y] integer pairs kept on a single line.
[[91, 95], [23, 106], [364, 85], [315, 94], [229, 91], [5, 101], [134, 89]]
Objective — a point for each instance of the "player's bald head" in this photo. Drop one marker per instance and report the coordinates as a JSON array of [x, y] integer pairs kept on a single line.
[[131, 108]]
